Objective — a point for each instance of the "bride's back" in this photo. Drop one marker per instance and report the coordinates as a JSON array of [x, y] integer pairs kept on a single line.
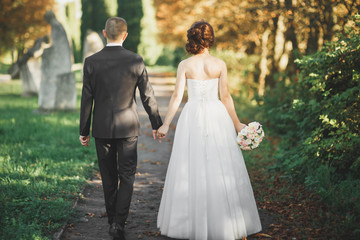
[[202, 67]]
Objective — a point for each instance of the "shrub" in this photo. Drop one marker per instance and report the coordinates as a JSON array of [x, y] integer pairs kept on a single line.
[[318, 119]]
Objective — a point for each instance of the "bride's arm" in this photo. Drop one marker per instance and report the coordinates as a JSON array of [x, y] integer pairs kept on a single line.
[[175, 100], [227, 100]]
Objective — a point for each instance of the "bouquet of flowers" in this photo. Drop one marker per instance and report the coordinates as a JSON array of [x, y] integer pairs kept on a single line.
[[250, 136]]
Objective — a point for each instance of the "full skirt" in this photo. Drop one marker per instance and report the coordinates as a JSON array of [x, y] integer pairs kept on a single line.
[[207, 192]]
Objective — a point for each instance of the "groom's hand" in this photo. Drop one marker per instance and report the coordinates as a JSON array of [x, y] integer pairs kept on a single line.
[[154, 134], [84, 140]]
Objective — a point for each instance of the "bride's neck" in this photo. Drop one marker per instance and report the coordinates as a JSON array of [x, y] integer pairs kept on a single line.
[[205, 51]]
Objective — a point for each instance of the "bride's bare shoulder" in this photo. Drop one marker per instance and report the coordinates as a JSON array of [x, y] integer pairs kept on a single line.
[[218, 61], [187, 60]]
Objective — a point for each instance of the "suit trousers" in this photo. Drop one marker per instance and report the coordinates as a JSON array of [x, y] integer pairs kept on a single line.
[[117, 160]]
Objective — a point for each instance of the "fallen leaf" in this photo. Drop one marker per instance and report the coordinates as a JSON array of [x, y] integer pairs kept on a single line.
[[262, 235], [90, 214]]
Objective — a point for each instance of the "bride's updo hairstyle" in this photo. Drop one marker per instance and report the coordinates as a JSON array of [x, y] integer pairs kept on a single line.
[[199, 36]]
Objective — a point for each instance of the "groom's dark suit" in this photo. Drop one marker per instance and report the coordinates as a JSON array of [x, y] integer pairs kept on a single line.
[[110, 79]]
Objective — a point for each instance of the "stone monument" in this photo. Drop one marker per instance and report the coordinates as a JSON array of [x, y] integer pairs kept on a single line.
[[92, 44], [57, 87], [29, 67]]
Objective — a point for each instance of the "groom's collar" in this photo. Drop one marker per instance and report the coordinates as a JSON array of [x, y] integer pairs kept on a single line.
[[113, 44]]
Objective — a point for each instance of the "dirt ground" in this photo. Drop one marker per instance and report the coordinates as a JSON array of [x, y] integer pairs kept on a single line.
[[153, 158]]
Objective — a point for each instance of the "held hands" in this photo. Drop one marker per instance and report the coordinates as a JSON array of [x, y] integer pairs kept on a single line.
[[162, 132], [84, 140]]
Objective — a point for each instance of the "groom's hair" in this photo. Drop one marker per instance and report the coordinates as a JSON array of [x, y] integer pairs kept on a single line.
[[115, 27]]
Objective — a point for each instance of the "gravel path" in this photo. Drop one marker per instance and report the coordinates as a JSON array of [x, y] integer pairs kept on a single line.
[[153, 159]]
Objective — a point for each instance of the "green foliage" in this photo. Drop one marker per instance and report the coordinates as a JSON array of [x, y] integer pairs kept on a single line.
[[42, 166], [111, 6], [318, 119], [94, 16], [132, 12], [4, 68], [171, 56], [241, 68], [72, 26], [149, 48]]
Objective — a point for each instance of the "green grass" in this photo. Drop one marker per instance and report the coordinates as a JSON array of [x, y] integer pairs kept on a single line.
[[4, 68], [43, 167]]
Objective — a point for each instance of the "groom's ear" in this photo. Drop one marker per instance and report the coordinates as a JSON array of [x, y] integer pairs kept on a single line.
[[124, 37], [104, 33]]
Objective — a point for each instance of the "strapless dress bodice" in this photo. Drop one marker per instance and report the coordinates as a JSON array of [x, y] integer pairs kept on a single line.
[[203, 90]]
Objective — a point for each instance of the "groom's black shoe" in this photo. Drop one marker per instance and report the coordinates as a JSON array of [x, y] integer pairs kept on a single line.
[[117, 231]]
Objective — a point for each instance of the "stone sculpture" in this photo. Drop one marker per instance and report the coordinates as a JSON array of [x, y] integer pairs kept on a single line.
[[57, 87], [92, 44], [29, 67]]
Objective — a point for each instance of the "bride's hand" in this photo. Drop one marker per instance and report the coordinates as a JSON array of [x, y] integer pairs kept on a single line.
[[162, 132], [240, 126]]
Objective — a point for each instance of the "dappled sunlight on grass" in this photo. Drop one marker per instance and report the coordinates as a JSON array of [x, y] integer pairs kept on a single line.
[[43, 167]]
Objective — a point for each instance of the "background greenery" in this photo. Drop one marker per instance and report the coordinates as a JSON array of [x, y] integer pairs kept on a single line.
[[293, 65], [317, 118], [42, 166]]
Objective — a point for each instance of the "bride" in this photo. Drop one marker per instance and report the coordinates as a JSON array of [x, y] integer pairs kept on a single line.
[[207, 192]]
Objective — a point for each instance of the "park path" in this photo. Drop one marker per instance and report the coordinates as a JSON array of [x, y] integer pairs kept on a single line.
[[153, 159]]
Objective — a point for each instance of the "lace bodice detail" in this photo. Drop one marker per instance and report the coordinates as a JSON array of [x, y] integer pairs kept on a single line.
[[203, 90]]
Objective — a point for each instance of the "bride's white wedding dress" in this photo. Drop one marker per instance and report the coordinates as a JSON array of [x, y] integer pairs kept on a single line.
[[207, 192]]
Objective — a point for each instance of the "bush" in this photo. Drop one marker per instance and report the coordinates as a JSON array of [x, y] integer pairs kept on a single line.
[[318, 119]]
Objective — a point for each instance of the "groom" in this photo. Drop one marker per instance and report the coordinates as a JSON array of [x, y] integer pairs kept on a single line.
[[110, 79]]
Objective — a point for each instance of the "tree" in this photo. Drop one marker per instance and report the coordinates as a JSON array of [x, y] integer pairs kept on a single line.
[[317, 120], [22, 22], [132, 12], [94, 16], [271, 29], [149, 48]]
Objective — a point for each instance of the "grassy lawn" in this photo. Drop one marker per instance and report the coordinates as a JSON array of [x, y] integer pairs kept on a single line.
[[42, 165], [4, 68]]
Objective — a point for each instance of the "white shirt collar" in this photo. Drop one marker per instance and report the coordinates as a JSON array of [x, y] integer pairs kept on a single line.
[[112, 44]]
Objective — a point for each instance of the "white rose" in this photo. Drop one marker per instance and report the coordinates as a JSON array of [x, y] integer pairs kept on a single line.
[[254, 124], [243, 131]]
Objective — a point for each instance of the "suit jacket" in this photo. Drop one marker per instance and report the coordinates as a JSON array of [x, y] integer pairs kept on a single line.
[[110, 79]]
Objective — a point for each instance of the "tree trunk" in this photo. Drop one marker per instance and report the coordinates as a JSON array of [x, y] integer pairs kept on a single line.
[[313, 39], [290, 35], [263, 62], [12, 55], [328, 22], [273, 48]]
